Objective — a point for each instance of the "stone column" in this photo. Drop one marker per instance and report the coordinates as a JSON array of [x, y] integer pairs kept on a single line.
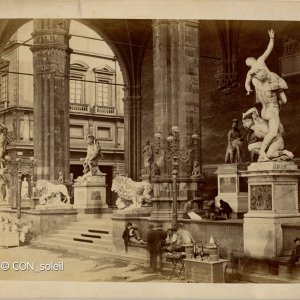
[[176, 82], [51, 64], [132, 124], [176, 102]]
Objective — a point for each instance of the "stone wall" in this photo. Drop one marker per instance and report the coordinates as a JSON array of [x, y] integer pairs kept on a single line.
[[44, 221]]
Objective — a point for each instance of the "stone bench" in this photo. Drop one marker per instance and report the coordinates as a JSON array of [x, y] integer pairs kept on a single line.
[[283, 268]]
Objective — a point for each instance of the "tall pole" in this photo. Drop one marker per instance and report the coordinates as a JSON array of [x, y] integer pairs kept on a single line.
[[174, 204]]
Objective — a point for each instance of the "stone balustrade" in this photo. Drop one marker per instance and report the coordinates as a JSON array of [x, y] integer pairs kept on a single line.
[[105, 110], [76, 107]]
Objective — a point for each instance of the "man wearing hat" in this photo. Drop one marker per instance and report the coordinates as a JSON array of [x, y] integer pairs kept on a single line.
[[233, 151], [155, 242], [93, 154], [295, 254]]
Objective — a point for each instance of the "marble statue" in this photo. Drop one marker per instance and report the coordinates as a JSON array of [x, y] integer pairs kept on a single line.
[[24, 188], [269, 89], [60, 177], [235, 141], [4, 141], [131, 194], [196, 169], [5, 185], [259, 128], [148, 156], [90, 162], [52, 195]]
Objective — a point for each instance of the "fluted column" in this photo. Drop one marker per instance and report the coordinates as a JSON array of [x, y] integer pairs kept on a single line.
[[51, 65]]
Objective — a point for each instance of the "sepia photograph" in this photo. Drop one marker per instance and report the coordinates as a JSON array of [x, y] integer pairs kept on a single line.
[[148, 151]]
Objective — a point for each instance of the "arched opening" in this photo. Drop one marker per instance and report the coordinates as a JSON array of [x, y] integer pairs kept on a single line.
[[95, 95]]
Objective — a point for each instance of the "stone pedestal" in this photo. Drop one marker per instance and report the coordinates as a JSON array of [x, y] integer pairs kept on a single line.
[[162, 200], [232, 188], [272, 201], [90, 195]]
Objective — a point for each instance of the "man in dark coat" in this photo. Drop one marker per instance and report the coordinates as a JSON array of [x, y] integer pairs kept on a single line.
[[155, 241], [295, 255], [225, 208]]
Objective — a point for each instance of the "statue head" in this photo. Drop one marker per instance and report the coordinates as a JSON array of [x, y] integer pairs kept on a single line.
[[235, 123], [249, 116], [90, 139], [250, 61]]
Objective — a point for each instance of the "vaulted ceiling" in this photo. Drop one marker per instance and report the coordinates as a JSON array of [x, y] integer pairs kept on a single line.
[[127, 38]]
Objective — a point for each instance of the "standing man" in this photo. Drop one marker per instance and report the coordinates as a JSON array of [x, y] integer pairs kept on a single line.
[[155, 241]]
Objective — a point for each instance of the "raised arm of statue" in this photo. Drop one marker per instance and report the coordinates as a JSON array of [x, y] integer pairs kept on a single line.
[[270, 46], [248, 82]]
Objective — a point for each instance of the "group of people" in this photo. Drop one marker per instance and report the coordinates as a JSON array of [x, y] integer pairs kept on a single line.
[[158, 241], [24, 230]]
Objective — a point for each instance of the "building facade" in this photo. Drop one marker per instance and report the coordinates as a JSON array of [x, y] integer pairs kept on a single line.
[[95, 96]]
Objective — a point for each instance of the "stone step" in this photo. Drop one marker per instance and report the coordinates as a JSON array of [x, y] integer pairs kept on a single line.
[[91, 230], [95, 240], [70, 232], [81, 242], [90, 252], [103, 227]]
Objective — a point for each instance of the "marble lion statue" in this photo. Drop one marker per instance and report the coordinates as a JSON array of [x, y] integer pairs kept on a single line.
[[131, 194], [51, 192]]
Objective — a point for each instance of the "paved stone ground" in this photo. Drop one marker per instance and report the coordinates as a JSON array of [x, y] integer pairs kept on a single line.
[[76, 268]]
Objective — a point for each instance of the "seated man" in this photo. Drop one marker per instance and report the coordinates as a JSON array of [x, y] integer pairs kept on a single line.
[[170, 241], [295, 255], [132, 235], [183, 237], [225, 209]]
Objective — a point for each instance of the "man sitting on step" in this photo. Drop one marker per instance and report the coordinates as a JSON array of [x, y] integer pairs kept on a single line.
[[131, 234]]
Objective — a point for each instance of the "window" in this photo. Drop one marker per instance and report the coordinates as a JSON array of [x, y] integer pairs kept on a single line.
[[31, 129], [76, 91], [77, 75], [103, 93], [104, 77], [104, 133], [76, 131], [3, 87]]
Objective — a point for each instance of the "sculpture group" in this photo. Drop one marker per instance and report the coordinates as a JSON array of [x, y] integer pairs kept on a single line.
[[265, 129]]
